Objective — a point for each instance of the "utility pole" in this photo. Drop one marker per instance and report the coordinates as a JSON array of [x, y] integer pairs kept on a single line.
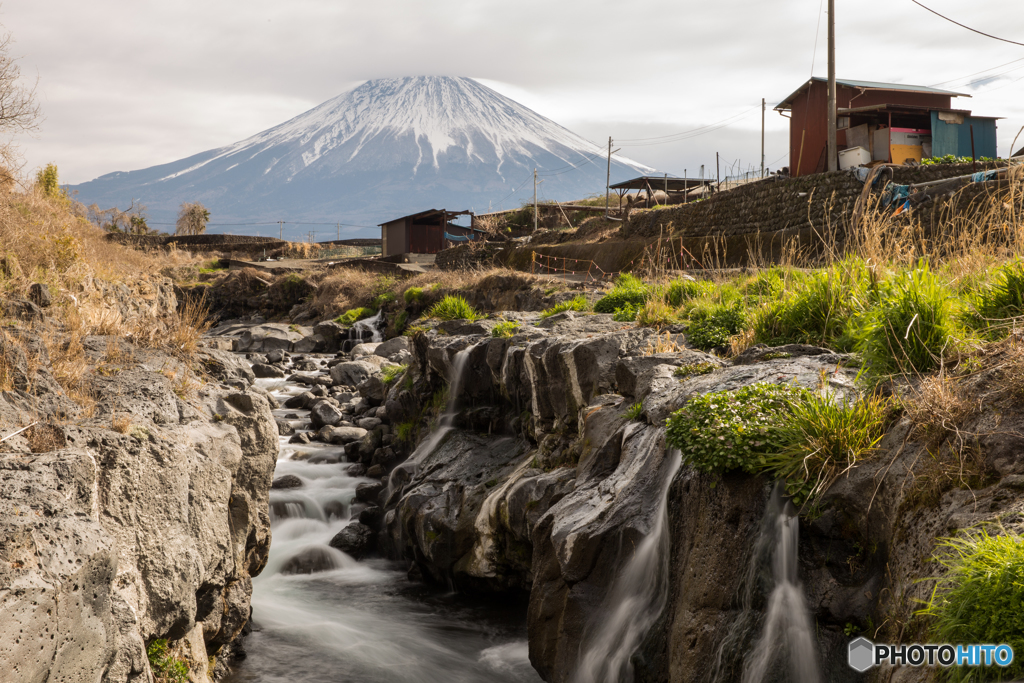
[[280, 225], [311, 236], [833, 149], [718, 173], [608, 178], [762, 137], [535, 200], [339, 231]]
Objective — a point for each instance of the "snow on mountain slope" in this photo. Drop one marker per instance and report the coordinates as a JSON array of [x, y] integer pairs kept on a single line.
[[384, 149]]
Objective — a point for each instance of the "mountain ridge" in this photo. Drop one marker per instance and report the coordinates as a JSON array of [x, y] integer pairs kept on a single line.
[[385, 148]]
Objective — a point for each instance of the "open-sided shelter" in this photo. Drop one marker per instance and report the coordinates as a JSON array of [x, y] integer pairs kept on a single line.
[[676, 188], [889, 122]]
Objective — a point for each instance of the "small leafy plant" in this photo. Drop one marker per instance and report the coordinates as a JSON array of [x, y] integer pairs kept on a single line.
[[710, 327], [730, 430], [453, 307], [413, 295], [166, 667], [392, 372], [635, 411]]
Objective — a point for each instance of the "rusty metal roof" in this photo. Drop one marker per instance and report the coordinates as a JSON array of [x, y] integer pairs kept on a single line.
[[428, 212], [658, 182], [871, 85]]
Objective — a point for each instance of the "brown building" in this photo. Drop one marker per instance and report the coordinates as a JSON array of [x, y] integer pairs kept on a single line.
[[426, 232], [888, 121]]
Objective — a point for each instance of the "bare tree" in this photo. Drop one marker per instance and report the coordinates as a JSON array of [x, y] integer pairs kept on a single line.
[[192, 218], [19, 112]]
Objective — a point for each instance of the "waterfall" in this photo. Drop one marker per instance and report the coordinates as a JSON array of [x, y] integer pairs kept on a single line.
[[444, 425], [369, 325], [635, 601], [787, 633]]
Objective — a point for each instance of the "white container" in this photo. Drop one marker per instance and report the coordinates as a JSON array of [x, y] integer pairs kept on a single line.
[[853, 157]]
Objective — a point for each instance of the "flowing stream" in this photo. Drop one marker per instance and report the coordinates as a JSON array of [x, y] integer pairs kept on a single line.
[[635, 601], [360, 621], [787, 634]]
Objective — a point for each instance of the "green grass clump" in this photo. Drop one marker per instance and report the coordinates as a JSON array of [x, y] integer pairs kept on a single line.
[[214, 266], [407, 431], [821, 438], [911, 326], [453, 307], [626, 313], [729, 430], [710, 326], [635, 411], [383, 299], [683, 290], [655, 313], [577, 303], [392, 372], [768, 283], [401, 320], [817, 310], [166, 667], [694, 369], [352, 315], [980, 600], [1001, 299], [506, 328], [629, 290], [413, 295]]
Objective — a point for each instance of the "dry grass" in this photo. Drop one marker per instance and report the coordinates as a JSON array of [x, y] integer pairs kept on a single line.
[[663, 344], [940, 407], [121, 424], [45, 437]]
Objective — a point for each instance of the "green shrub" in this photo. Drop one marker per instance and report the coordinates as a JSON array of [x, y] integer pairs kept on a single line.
[[47, 179], [392, 372], [628, 291], [413, 295], [911, 326], [635, 411], [730, 430], [407, 431], [980, 600], [453, 307], [401, 320], [352, 315], [166, 667], [711, 326], [820, 438], [818, 310], [577, 303], [506, 328], [694, 369], [683, 290], [1002, 298]]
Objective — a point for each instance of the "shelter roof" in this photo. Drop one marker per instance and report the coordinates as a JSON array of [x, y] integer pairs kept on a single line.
[[425, 214], [870, 85], [659, 182]]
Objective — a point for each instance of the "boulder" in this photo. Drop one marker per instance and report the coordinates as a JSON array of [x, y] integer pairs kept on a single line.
[[332, 333], [284, 428], [301, 437], [310, 561], [288, 481], [364, 349], [368, 492], [368, 423], [373, 389], [39, 294], [354, 540], [314, 343], [354, 373], [325, 413], [264, 371], [276, 356], [372, 516], [393, 346], [342, 435], [300, 400], [226, 366]]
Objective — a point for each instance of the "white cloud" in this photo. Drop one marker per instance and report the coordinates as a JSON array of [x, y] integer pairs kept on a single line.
[[127, 85]]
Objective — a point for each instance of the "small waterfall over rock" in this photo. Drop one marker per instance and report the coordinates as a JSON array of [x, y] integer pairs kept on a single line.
[[365, 330], [635, 601], [785, 639], [445, 424]]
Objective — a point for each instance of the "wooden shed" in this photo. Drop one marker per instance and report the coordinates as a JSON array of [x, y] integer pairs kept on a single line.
[[426, 232], [891, 122]]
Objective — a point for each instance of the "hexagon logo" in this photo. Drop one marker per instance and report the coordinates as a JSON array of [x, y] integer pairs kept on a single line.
[[861, 654]]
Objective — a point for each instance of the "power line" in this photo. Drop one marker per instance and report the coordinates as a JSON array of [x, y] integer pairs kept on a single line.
[[683, 135], [956, 80], [982, 33]]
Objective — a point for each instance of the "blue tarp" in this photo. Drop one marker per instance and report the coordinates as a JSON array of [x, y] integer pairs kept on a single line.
[[457, 238]]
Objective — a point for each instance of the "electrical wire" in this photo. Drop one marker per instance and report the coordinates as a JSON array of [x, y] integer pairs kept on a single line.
[[956, 80], [683, 135], [982, 33]]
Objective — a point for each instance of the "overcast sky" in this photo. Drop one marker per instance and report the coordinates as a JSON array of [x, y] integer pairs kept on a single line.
[[126, 85]]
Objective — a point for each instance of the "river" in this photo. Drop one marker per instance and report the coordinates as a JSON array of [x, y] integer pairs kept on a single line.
[[361, 621]]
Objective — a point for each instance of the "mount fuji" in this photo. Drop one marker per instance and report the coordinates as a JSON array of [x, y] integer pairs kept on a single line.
[[384, 149]]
